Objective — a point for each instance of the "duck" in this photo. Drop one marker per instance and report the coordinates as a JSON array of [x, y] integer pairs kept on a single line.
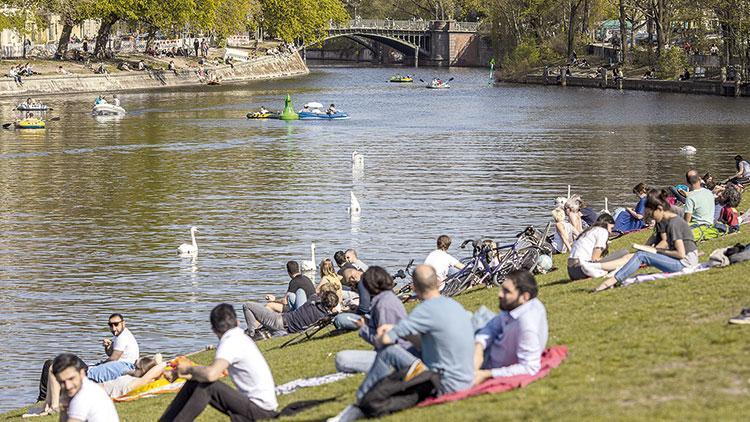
[[309, 266], [187, 249]]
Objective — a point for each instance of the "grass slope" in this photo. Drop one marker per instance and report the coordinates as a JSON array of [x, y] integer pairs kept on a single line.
[[659, 350]]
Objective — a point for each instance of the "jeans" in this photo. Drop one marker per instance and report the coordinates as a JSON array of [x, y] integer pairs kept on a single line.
[[343, 321], [195, 396], [296, 299], [256, 313], [108, 371], [354, 361], [662, 262], [387, 360]]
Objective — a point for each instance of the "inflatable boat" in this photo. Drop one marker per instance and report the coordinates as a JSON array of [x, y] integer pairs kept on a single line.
[[401, 79], [259, 115], [30, 123], [107, 110], [309, 115], [32, 107], [443, 85]]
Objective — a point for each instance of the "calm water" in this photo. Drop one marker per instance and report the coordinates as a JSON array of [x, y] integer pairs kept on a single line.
[[92, 211]]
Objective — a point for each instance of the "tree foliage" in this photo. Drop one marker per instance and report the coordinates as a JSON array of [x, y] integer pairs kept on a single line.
[[305, 20]]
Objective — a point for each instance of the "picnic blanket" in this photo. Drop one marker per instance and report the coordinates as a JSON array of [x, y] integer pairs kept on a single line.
[[292, 386], [551, 358], [157, 386], [658, 276]]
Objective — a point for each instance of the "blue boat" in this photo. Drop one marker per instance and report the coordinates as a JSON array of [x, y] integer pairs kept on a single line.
[[308, 115]]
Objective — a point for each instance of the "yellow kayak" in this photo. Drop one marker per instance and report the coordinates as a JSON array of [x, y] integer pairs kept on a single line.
[[30, 123], [403, 79], [259, 115]]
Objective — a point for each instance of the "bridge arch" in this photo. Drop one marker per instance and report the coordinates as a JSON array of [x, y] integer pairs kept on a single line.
[[407, 48]]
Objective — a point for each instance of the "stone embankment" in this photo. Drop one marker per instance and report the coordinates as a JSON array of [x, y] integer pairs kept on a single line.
[[262, 68], [696, 86]]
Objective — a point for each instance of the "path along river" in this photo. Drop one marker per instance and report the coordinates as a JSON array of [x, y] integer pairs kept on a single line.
[[91, 212]]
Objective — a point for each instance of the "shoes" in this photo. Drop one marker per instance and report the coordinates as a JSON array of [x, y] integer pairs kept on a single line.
[[350, 413], [742, 318], [416, 368]]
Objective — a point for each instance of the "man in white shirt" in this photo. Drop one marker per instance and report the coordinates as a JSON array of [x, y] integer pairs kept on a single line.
[[255, 396], [86, 400], [352, 258], [512, 342], [441, 260], [122, 352]]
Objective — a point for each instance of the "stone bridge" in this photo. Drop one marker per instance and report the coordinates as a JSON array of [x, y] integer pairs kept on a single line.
[[431, 43]]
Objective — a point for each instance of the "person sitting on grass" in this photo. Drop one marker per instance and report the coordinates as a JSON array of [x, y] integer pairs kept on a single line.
[[591, 246], [353, 280], [82, 400], [445, 332], [257, 315], [122, 352], [729, 217], [512, 342], [564, 233], [632, 219], [385, 308], [441, 260], [677, 252], [352, 258], [699, 205], [329, 277], [255, 396], [299, 289], [742, 177]]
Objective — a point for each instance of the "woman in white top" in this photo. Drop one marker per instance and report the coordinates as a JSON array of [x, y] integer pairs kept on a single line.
[[586, 254], [564, 232], [742, 177]]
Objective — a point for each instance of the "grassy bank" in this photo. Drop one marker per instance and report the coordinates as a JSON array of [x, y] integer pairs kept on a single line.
[[659, 350]]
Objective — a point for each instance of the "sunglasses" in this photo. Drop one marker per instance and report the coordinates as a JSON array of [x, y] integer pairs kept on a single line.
[[114, 324]]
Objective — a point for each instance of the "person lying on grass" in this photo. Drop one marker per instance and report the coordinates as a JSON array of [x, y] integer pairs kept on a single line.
[[677, 252], [255, 396], [512, 342], [385, 308], [147, 369], [257, 315], [443, 328], [590, 247]]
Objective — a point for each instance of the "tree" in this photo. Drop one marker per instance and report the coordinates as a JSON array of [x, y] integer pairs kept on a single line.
[[306, 20]]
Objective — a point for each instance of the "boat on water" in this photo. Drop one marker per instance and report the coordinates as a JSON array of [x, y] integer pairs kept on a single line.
[[401, 79], [106, 109], [314, 111], [32, 107], [30, 123], [268, 115], [438, 85]]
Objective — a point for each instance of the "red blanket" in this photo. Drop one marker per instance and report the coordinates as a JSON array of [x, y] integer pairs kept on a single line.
[[551, 358]]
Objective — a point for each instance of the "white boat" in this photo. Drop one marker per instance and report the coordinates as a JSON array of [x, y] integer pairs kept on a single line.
[[106, 109], [32, 107]]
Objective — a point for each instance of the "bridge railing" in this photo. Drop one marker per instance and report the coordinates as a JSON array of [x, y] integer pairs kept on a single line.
[[394, 25], [412, 25]]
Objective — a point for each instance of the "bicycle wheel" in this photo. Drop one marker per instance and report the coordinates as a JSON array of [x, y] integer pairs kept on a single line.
[[527, 258]]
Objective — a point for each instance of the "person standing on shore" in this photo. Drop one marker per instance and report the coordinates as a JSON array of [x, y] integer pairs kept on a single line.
[[196, 46], [86, 400], [255, 396]]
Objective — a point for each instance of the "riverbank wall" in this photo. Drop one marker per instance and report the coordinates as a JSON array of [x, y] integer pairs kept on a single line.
[[695, 86], [262, 68]]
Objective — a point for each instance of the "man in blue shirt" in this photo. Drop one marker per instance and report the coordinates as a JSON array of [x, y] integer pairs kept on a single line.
[[444, 330], [512, 343]]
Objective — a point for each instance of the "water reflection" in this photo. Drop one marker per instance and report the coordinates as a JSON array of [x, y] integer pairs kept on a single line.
[[93, 210]]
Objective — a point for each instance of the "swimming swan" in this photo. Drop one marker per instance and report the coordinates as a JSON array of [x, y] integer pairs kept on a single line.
[[186, 249], [308, 266], [358, 160], [688, 149], [354, 208]]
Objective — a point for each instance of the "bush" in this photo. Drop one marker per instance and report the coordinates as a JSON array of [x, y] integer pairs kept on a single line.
[[671, 63], [527, 55]]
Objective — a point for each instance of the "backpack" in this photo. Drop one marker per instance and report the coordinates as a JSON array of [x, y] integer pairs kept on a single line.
[[392, 393]]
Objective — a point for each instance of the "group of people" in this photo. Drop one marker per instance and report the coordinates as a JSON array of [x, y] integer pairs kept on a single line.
[[680, 215], [103, 100], [438, 343], [18, 72]]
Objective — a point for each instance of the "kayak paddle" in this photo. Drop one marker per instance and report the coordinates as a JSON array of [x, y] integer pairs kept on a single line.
[[7, 125]]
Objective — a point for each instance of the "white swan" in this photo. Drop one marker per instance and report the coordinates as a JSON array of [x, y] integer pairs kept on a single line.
[[358, 160], [688, 149], [186, 249], [354, 208], [308, 266], [606, 207]]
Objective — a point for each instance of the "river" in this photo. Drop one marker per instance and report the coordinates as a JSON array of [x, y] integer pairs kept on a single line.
[[92, 211]]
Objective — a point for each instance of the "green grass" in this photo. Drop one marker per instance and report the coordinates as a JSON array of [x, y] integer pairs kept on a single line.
[[658, 350]]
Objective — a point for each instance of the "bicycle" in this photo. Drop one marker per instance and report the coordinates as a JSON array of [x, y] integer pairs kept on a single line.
[[522, 254]]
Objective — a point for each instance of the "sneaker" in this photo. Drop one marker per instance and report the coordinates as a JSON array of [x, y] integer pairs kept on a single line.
[[416, 368], [350, 413], [742, 318]]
